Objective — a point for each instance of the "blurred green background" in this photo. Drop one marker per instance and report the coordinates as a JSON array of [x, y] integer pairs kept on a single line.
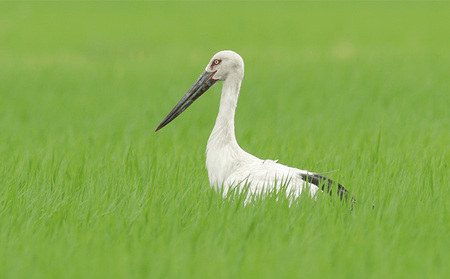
[[87, 189]]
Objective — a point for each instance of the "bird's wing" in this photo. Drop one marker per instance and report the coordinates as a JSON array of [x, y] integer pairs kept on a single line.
[[262, 176], [326, 184]]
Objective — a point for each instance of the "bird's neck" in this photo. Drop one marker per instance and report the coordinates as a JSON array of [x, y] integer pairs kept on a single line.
[[222, 150], [224, 127]]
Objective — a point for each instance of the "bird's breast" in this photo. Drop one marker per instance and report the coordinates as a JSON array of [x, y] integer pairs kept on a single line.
[[220, 163]]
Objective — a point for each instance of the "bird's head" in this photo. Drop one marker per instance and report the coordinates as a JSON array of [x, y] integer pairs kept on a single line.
[[224, 65]]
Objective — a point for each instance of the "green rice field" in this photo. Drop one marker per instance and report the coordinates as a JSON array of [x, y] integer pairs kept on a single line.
[[89, 190]]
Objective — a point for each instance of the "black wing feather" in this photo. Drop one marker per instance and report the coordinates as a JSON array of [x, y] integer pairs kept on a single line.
[[322, 181]]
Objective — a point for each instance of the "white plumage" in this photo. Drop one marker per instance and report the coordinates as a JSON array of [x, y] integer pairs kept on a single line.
[[228, 165]]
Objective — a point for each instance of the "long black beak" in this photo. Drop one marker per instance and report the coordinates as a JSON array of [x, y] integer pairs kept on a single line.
[[200, 86]]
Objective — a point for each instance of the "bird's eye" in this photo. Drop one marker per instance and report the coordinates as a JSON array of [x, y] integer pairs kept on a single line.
[[217, 61]]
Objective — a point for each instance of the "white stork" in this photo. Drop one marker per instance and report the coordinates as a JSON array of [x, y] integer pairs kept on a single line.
[[229, 166]]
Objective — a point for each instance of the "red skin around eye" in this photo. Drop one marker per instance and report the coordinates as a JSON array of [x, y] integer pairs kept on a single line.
[[213, 63]]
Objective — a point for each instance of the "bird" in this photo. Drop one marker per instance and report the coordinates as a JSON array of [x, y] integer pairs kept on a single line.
[[230, 168]]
